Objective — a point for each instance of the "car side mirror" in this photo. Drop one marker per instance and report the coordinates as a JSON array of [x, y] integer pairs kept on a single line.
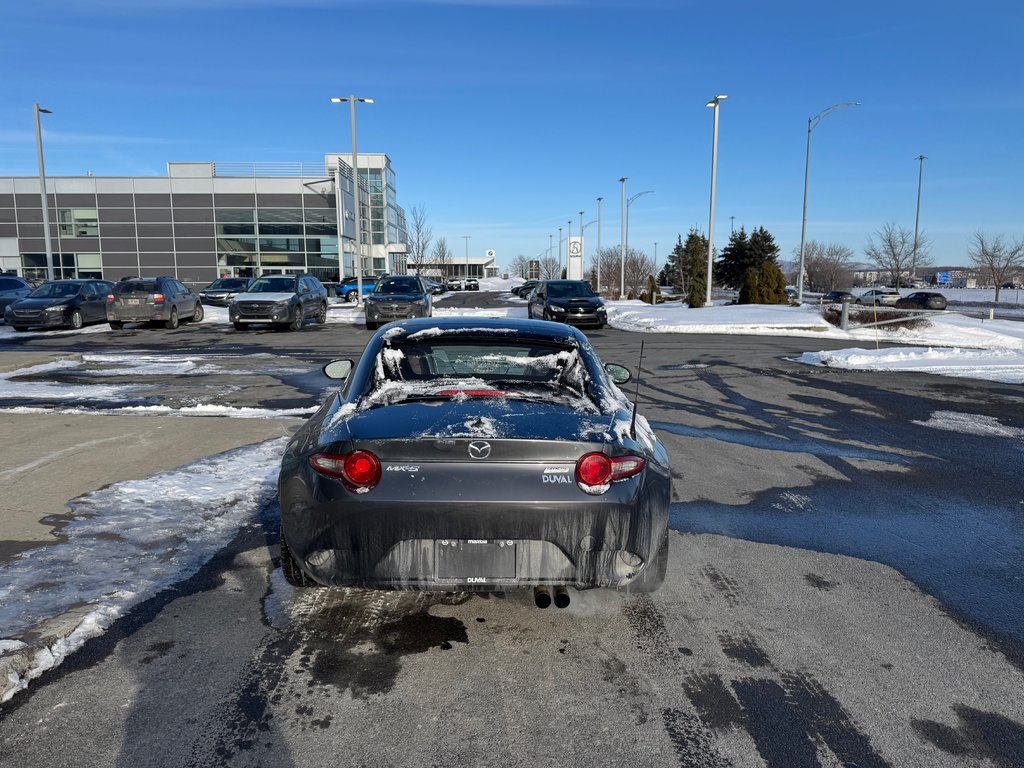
[[338, 369], [619, 374]]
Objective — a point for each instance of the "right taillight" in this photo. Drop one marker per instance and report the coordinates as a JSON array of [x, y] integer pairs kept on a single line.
[[158, 297], [358, 470], [595, 472]]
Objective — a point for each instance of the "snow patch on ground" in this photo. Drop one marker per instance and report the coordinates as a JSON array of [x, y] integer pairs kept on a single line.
[[970, 424], [1003, 365]]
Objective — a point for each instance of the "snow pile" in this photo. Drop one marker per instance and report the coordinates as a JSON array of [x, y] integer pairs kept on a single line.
[[748, 319], [970, 424], [129, 541], [13, 386], [1003, 365]]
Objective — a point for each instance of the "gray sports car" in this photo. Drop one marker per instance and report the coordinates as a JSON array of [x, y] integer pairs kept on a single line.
[[476, 455]]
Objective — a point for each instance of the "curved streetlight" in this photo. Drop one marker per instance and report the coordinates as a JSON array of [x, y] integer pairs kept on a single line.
[[629, 202], [714, 173], [812, 123], [355, 190], [42, 191], [917, 220], [598, 251]]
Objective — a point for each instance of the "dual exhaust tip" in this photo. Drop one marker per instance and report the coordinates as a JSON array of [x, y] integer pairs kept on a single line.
[[544, 596]]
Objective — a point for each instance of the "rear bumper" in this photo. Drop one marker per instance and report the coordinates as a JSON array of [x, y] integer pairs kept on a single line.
[[344, 539], [136, 315]]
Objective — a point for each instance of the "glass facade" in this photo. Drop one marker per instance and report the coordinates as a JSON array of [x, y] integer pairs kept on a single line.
[[251, 241]]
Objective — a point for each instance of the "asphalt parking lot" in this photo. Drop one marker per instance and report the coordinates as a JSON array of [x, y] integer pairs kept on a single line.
[[844, 586]]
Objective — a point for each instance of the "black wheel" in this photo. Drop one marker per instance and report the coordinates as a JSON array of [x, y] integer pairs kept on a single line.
[[20, 328], [296, 321], [292, 573], [239, 326], [321, 315], [172, 322], [858, 302], [351, 296], [372, 326], [76, 319], [198, 315], [116, 325], [654, 574], [529, 312]]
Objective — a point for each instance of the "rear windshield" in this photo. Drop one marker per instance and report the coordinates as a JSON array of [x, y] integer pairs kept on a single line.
[[55, 291], [398, 285], [273, 285], [137, 286]]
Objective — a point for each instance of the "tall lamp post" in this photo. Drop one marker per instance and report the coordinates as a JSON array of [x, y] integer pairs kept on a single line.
[[629, 203], [467, 238], [812, 123], [559, 250], [568, 237], [622, 243], [598, 252], [714, 173], [917, 219], [355, 188], [42, 191]]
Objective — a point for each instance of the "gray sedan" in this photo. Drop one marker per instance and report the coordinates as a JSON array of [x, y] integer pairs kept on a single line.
[[397, 298], [482, 455]]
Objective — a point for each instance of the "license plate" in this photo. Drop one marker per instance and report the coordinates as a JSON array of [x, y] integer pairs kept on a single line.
[[133, 302], [475, 560]]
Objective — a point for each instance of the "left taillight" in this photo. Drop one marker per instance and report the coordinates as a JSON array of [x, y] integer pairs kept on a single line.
[[359, 470], [595, 472]]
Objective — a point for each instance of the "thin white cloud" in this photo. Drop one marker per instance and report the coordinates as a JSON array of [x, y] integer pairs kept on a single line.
[[62, 137]]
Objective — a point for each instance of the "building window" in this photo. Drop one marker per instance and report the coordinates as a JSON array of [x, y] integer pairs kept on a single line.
[[78, 222], [90, 266]]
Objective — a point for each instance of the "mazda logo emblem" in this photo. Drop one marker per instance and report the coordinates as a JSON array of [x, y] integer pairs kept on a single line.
[[478, 449]]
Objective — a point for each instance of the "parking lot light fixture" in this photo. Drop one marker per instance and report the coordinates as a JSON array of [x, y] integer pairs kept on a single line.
[[597, 258], [812, 123], [42, 190], [714, 172], [622, 243], [355, 190]]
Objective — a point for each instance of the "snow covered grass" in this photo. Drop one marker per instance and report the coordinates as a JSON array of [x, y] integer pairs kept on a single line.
[[126, 543], [1005, 365]]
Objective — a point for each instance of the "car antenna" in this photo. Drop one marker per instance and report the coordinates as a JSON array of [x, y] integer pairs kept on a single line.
[[636, 394]]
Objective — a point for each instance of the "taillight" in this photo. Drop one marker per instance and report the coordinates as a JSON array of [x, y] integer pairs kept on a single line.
[[157, 297], [359, 470], [110, 298], [595, 472]]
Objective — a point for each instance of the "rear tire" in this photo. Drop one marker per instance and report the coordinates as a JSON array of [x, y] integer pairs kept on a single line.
[[76, 319], [116, 325], [199, 313], [292, 573], [653, 575], [172, 322]]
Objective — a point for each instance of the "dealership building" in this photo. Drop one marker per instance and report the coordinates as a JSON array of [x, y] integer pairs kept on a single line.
[[207, 220]]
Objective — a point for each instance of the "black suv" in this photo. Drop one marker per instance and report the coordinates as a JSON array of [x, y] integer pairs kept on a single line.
[[152, 300], [567, 301], [280, 300]]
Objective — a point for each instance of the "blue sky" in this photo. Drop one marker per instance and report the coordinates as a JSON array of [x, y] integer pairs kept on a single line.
[[505, 118]]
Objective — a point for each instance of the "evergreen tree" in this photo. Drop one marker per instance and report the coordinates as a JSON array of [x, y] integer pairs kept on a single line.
[[695, 267], [750, 291], [677, 266], [762, 248], [772, 284], [731, 269]]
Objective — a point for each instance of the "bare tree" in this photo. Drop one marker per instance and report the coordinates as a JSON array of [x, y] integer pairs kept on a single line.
[[638, 266], [441, 257], [827, 266], [550, 268], [420, 236], [894, 251], [996, 257], [520, 266]]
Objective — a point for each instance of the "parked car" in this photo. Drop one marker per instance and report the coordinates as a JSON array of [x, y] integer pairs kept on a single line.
[[922, 300], [838, 297], [61, 304], [285, 301], [223, 290], [523, 290], [1012, 285], [567, 301], [397, 298], [435, 287], [479, 456], [454, 284], [152, 299], [472, 284], [13, 288], [349, 287], [879, 296]]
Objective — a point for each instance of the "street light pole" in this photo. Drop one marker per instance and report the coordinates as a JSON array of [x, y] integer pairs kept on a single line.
[[597, 260], [917, 219], [559, 250], [622, 243], [714, 172], [42, 191], [812, 123], [355, 189], [629, 204], [467, 238]]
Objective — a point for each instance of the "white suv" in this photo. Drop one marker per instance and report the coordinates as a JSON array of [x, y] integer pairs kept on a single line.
[[876, 296]]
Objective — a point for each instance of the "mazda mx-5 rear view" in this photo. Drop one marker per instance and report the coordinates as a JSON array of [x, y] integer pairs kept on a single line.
[[493, 455]]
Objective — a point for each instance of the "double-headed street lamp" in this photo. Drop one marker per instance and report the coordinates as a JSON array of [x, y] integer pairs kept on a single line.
[[714, 173], [355, 189], [42, 191], [812, 123]]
